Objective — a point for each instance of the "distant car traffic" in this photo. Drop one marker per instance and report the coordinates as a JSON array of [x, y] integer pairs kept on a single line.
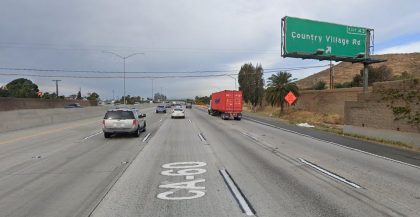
[[188, 105], [73, 105], [168, 105], [127, 121], [160, 109], [178, 113], [178, 106]]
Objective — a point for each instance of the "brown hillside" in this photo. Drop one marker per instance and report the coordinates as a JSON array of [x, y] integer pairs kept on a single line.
[[344, 72]]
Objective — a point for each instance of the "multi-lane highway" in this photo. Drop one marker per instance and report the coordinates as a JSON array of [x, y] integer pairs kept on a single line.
[[197, 166]]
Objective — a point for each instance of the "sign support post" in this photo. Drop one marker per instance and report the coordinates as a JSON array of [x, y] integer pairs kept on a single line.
[[365, 78], [331, 76]]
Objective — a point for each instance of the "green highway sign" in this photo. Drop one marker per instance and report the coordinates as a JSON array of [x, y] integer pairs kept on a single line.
[[311, 39]]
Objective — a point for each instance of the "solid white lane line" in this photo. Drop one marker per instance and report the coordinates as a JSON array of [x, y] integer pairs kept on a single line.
[[236, 193], [145, 138], [202, 137], [330, 174], [333, 143], [88, 137]]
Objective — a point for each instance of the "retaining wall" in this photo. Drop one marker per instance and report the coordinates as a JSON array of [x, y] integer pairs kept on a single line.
[[372, 114], [327, 101]]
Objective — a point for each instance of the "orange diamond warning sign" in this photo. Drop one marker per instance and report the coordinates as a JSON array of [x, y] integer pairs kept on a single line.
[[290, 98]]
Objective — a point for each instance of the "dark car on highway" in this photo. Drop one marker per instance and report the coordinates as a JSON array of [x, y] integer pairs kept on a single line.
[[73, 105]]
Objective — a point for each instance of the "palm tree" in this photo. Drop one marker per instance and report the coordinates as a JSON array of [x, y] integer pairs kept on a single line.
[[279, 85]]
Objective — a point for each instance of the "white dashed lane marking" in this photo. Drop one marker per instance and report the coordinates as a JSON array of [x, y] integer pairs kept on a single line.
[[147, 137], [88, 137], [330, 174]]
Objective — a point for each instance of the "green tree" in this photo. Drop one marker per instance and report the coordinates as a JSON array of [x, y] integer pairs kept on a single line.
[[4, 92], [47, 95], [344, 85], [251, 83], [279, 86], [22, 88], [93, 96], [129, 99], [375, 74], [202, 100], [320, 85], [404, 76], [79, 95]]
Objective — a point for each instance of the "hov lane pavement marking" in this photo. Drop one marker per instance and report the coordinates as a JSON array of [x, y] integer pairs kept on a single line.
[[184, 190], [330, 174]]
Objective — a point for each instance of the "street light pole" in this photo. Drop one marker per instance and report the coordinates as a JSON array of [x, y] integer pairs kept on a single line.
[[124, 81], [123, 58], [153, 97]]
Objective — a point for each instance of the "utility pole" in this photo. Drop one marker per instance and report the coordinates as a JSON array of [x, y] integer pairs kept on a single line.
[[56, 86]]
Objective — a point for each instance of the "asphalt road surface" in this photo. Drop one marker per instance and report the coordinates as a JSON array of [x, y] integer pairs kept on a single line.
[[197, 166]]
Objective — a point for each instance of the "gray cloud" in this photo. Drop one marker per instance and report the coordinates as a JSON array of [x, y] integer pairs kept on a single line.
[[175, 35]]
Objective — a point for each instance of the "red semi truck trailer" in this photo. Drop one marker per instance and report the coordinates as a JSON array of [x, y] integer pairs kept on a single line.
[[227, 104]]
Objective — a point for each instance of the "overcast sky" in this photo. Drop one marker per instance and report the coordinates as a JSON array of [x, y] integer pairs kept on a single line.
[[175, 35]]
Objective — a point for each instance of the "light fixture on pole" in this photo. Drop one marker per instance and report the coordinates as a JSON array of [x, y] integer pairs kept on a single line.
[[123, 58]]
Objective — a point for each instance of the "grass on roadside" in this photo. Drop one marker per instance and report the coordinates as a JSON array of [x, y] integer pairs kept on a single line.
[[326, 122], [295, 116], [383, 141]]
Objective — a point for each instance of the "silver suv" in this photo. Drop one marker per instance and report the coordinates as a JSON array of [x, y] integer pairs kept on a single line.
[[128, 121]]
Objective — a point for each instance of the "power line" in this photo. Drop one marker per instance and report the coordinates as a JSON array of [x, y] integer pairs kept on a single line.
[[112, 77], [89, 48], [157, 72]]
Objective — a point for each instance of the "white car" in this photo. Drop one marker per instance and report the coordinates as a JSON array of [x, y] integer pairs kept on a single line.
[[178, 113]]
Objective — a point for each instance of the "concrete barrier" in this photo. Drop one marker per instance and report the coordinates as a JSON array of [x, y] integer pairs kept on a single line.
[[28, 118]]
